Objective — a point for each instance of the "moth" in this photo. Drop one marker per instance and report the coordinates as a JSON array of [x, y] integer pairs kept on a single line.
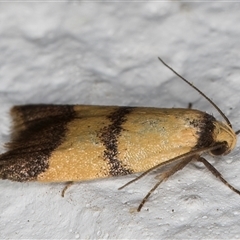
[[72, 143]]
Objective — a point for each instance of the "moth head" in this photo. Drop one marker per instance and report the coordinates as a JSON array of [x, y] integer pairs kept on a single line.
[[223, 133]]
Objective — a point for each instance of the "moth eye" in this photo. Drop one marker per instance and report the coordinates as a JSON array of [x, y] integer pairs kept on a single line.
[[223, 150]]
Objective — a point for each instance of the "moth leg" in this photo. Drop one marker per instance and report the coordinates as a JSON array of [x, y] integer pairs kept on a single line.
[[68, 184], [164, 177], [237, 132], [216, 173]]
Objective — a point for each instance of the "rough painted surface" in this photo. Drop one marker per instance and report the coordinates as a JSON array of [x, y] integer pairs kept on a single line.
[[95, 53]]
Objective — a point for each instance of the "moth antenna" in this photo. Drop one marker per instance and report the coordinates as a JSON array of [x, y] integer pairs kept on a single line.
[[208, 99]]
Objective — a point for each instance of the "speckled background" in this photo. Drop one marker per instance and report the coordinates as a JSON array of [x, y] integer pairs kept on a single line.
[[106, 53]]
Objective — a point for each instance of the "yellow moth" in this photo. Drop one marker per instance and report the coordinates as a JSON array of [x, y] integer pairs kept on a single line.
[[70, 143]]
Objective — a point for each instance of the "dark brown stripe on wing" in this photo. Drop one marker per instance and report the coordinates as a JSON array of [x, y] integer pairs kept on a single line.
[[109, 136], [206, 129], [38, 131]]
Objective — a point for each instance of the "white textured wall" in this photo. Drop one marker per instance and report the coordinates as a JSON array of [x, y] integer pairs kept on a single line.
[[106, 53]]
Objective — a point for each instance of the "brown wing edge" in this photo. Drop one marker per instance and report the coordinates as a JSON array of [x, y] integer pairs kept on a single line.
[[37, 131]]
